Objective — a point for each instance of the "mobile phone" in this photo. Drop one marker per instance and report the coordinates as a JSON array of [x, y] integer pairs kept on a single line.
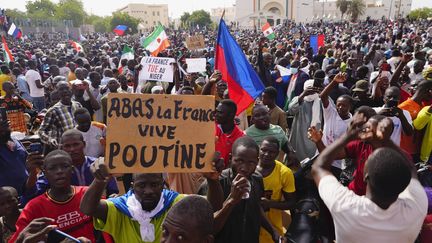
[[35, 148], [3, 114], [61, 234]]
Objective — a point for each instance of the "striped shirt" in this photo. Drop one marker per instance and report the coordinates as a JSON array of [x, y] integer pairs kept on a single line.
[[58, 119]]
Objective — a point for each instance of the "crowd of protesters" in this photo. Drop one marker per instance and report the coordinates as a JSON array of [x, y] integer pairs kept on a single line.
[[362, 102]]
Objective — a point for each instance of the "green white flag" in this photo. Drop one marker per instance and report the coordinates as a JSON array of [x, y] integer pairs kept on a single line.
[[268, 31], [157, 41], [127, 53]]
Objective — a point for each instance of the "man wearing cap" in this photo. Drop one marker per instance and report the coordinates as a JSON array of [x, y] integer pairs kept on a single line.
[[361, 96]]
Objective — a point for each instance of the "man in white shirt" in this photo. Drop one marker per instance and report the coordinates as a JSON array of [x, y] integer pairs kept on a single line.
[[63, 70], [416, 74], [337, 117], [93, 133], [395, 203], [34, 81], [402, 121], [394, 60]]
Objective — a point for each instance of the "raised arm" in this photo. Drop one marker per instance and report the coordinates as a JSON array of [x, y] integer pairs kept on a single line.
[[396, 75], [94, 103], [208, 87], [91, 203], [322, 165], [339, 78]]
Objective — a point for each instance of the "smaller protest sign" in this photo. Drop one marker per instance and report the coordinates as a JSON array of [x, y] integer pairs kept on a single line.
[[196, 65], [195, 42], [157, 69]]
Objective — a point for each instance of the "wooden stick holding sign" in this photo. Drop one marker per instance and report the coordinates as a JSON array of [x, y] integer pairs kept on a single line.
[[160, 133]]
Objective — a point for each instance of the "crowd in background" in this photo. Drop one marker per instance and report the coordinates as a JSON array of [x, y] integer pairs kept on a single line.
[[362, 102]]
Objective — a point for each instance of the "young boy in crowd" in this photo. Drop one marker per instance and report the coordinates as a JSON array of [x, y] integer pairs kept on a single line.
[[190, 220], [9, 212], [60, 202], [277, 115], [236, 195], [279, 186]]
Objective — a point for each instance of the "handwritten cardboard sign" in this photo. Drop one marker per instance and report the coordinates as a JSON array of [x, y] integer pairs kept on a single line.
[[159, 133], [196, 65], [195, 42], [157, 69]]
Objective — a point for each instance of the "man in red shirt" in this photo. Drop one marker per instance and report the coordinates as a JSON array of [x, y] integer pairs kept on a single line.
[[61, 202], [360, 149], [226, 130]]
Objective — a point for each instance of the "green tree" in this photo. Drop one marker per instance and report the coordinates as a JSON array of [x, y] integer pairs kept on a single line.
[[89, 19], [184, 19], [41, 9], [342, 5], [356, 8], [200, 17], [71, 10], [101, 24], [15, 13], [119, 18], [420, 13]]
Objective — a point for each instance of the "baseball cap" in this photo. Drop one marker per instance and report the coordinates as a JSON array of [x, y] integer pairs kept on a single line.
[[361, 86], [332, 73]]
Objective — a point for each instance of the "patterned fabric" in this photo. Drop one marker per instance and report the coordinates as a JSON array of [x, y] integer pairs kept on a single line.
[[15, 112], [58, 119]]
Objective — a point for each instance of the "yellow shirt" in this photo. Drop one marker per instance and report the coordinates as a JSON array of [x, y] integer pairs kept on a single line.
[[124, 229], [281, 179], [424, 119], [71, 76], [4, 78]]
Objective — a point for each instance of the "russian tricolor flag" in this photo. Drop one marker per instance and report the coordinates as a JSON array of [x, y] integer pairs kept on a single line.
[[244, 84], [14, 31], [120, 29], [316, 41]]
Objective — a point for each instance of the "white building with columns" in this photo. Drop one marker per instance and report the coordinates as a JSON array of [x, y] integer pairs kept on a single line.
[[250, 13]]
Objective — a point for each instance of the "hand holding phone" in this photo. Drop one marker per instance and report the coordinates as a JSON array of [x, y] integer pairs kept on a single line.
[[35, 148]]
